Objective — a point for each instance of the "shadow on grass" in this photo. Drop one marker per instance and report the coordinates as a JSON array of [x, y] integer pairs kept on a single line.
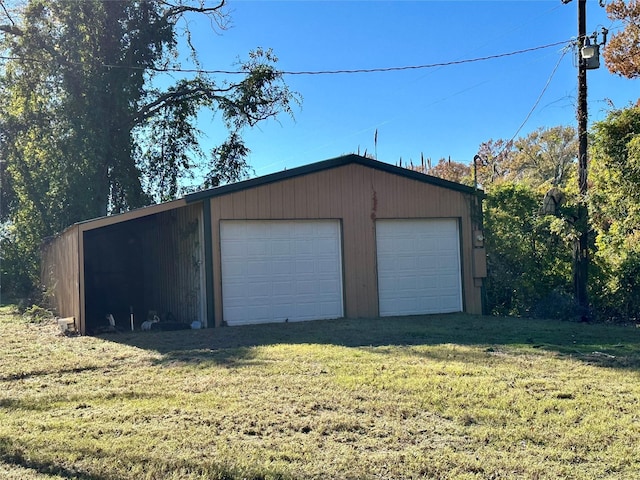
[[599, 344], [12, 453], [82, 400], [45, 372]]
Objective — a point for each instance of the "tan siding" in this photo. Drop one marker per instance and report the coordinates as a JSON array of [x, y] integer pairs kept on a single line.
[[177, 286], [356, 195], [239, 205], [289, 199], [216, 216], [81, 265], [251, 202], [275, 198], [368, 300], [300, 194], [330, 194], [479, 263], [132, 215], [226, 206], [264, 202], [60, 274], [349, 238], [313, 205]]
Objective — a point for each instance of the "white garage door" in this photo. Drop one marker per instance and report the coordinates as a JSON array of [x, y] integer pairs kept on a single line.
[[418, 266], [277, 271]]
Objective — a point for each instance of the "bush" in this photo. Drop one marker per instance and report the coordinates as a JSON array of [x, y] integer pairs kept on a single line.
[[37, 314], [528, 256], [618, 298]]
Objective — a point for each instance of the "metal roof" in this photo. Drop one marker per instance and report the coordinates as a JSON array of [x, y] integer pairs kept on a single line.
[[326, 165]]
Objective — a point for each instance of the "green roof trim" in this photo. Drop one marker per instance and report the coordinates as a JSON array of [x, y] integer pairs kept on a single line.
[[326, 165]]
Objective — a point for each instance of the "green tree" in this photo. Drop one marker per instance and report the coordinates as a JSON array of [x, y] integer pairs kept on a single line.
[[529, 221], [545, 158], [446, 169], [492, 157], [87, 129], [615, 213], [529, 260]]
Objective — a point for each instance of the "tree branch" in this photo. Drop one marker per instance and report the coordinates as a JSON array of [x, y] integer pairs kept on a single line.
[[173, 97], [6, 12], [177, 10], [12, 29]]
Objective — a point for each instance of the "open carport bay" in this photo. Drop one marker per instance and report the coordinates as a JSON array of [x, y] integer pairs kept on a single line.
[[153, 263]]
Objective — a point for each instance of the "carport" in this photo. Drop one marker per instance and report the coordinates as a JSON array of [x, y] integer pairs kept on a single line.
[[146, 260]]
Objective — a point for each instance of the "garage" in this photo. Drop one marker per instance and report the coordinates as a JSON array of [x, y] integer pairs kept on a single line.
[[281, 271], [348, 237], [419, 268]]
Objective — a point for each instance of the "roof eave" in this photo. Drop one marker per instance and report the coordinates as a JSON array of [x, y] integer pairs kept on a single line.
[[326, 165]]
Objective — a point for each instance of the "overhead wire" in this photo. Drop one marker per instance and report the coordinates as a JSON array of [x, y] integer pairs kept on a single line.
[[201, 71], [567, 44], [367, 70], [537, 102]]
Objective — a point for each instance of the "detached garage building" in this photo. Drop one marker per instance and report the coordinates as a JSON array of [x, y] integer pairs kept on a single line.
[[347, 237]]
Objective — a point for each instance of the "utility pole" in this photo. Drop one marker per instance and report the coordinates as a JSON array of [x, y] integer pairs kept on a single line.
[[588, 58], [581, 248]]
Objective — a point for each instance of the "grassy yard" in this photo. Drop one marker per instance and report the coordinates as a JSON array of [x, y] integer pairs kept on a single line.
[[449, 396]]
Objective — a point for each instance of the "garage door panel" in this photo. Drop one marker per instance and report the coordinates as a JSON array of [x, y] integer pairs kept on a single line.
[[445, 261], [281, 266], [286, 270], [281, 288], [329, 311], [256, 312], [428, 262], [327, 246], [304, 247], [404, 245], [235, 249], [404, 264], [451, 282], [418, 266], [328, 266], [284, 233], [237, 269], [305, 287], [255, 268], [428, 283], [306, 266], [330, 287]]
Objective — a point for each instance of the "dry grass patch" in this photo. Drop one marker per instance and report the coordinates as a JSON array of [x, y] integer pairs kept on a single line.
[[425, 397]]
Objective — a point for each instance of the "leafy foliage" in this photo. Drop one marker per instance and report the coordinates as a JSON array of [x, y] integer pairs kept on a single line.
[[544, 158], [528, 257], [622, 53], [228, 162], [530, 252], [615, 207], [529, 221], [446, 169], [91, 127]]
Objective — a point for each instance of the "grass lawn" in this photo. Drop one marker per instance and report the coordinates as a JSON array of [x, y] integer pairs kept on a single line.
[[449, 396]]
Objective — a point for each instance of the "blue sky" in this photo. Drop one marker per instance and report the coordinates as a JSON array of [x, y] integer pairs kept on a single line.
[[440, 112]]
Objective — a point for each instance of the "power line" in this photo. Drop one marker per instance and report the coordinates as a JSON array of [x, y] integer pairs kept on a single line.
[[535, 105], [315, 72], [368, 70]]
